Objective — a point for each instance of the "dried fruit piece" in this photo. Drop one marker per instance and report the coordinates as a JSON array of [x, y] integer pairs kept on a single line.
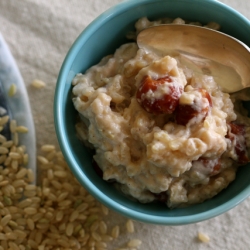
[[194, 104], [158, 96], [236, 133], [212, 165]]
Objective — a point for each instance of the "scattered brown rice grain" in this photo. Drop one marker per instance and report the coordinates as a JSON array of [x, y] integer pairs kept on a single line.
[[15, 138], [60, 174], [30, 210], [7, 161], [203, 237], [59, 215], [57, 185], [50, 174], [115, 232], [13, 126], [11, 236], [2, 236], [48, 148], [96, 236], [29, 193], [38, 84], [30, 224], [2, 139], [14, 164], [74, 216], [5, 220], [106, 238], [101, 244], [103, 227], [69, 229], [15, 156], [7, 201], [12, 90], [134, 243], [94, 226], [3, 150], [12, 224], [42, 160], [130, 226], [18, 183], [30, 187], [83, 235], [38, 237], [30, 175], [64, 203], [25, 203], [63, 243], [7, 144], [13, 246], [4, 183], [21, 173], [22, 129], [12, 209], [4, 120], [21, 234], [2, 159], [25, 160]]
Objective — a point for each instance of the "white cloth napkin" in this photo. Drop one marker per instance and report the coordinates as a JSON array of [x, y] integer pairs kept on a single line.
[[39, 34]]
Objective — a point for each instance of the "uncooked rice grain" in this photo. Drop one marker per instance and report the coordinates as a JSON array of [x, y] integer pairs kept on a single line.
[[115, 232], [57, 214], [96, 236], [48, 148], [5, 220], [103, 227], [203, 237], [4, 120], [130, 226], [38, 83], [7, 144], [3, 150], [134, 243], [12, 90]]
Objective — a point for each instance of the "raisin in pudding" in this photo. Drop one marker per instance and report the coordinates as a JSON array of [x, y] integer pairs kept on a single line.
[[160, 131]]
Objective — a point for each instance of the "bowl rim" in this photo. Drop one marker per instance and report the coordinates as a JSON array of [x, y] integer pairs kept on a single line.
[[65, 147]]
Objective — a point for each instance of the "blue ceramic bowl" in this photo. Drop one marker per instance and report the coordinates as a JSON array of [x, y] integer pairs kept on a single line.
[[102, 37]]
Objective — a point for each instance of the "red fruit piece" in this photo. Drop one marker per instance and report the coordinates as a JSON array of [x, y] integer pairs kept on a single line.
[[199, 109], [214, 165], [236, 133], [158, 96]]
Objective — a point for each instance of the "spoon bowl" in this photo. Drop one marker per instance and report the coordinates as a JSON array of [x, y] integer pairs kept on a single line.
[[203, 50]]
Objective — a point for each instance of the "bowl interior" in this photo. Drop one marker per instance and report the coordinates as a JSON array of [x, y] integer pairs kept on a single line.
[[101, 38]]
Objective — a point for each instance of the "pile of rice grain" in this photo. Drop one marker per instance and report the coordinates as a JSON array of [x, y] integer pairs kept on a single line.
[[56, 214]]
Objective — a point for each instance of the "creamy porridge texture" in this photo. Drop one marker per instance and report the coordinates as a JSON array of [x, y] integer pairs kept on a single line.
[[160, 131]]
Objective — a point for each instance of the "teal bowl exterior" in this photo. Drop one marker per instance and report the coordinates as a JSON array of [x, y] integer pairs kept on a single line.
[[102, 37]]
